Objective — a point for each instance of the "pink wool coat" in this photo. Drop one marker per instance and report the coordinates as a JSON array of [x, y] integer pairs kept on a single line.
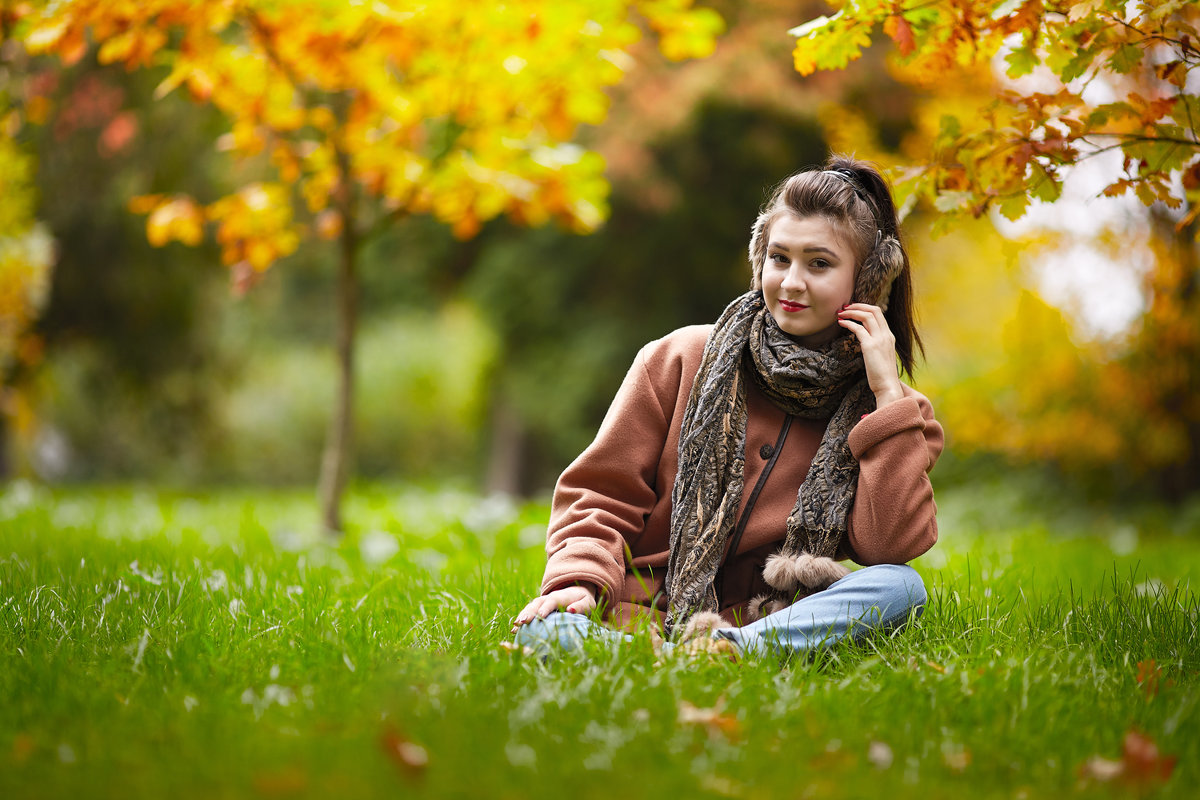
[[611, 516]]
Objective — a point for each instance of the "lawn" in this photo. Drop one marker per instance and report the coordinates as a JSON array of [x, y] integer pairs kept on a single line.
[[168, 645]]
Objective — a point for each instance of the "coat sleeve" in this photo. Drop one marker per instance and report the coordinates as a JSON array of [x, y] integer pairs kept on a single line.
[[894, 516], [602, 499]]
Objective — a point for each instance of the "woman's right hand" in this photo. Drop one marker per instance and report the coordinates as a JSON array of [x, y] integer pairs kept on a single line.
[[575, 599]]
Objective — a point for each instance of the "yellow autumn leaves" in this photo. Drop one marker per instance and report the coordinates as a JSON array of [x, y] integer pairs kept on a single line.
[[253, 226], [26, 259], [460, 110]]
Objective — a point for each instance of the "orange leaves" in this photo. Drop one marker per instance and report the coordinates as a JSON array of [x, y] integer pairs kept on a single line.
[[253, 226], [1140, 764], [118, 133], [684, 32], [901, 32], [1149, 677], [460, 110], [59, 36], [284, 782], [26, 261], [1173, 72], [410, 758], [714, 719], [133, 48], [1016, 144], [831, 42], [1191, 177], [1027, 17], [329, 224], [176, 218], [27, 253], [23, 747]]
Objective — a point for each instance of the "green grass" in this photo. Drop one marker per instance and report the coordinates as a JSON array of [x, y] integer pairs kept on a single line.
[[157, 644]]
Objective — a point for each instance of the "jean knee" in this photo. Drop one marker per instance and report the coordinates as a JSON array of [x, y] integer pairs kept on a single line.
[[558, 627], [904, 589]]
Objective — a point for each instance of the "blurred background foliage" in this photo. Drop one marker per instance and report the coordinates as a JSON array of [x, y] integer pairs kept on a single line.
[[490, 361]]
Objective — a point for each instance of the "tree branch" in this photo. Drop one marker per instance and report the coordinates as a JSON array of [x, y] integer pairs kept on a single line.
[[1183, 46]]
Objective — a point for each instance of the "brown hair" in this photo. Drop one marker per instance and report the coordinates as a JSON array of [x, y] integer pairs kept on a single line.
[[856, 198]]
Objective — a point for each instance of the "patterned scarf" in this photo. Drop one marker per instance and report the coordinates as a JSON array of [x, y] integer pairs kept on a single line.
[[812, 384]]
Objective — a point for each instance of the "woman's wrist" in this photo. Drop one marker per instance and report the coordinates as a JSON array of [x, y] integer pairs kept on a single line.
[[888, 395]]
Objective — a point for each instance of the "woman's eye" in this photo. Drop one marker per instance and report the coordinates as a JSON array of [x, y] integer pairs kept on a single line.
[[780, 258], [820, 263]]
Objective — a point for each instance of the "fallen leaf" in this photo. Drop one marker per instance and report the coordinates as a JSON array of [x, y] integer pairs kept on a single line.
[[711, 718], [1149, 677], [1141, 763], [22, 747], [410, 757], [290, 780], [958, 760]]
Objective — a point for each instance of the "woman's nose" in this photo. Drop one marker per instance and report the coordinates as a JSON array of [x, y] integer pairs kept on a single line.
[[793, 280]]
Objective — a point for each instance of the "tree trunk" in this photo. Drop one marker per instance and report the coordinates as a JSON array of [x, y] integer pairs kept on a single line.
[[506, 455], [339, 442], [1179, 355], [5, 465]]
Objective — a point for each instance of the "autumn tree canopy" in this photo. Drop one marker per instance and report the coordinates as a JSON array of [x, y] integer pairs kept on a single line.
[[1110, 75], [348, 117], [462, 110], [1018, 93], [26, 259]]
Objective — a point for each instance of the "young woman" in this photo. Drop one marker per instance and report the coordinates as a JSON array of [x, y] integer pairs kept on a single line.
[[739, 462]]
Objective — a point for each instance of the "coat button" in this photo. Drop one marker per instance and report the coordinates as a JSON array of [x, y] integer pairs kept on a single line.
[[766, 451]]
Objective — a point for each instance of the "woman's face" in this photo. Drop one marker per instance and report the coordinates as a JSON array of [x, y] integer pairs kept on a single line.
[[807, 277]]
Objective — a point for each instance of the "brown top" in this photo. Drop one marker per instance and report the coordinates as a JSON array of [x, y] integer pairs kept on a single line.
[[611, 518]]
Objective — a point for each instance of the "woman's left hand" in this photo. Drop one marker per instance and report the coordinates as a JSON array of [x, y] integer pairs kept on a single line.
[[878, 345]]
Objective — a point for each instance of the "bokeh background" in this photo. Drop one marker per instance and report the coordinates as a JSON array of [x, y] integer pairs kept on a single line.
[[1060, 348]]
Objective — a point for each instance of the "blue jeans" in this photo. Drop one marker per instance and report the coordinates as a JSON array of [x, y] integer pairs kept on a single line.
[[870, 599]]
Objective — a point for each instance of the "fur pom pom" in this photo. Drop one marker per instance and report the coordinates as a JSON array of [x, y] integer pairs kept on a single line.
[[703, 624], [802, 575], [656, 640], [763, 605], [756, 608], [780, 574], [719, 646], [816, 573]]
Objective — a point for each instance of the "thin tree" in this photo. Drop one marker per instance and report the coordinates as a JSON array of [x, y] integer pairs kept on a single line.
[[363, 114]]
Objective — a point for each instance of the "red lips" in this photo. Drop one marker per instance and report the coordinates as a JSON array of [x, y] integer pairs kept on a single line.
[[787, 305]]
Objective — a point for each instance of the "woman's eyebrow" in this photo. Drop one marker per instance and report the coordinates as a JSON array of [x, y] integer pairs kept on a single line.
[[812, 248]]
